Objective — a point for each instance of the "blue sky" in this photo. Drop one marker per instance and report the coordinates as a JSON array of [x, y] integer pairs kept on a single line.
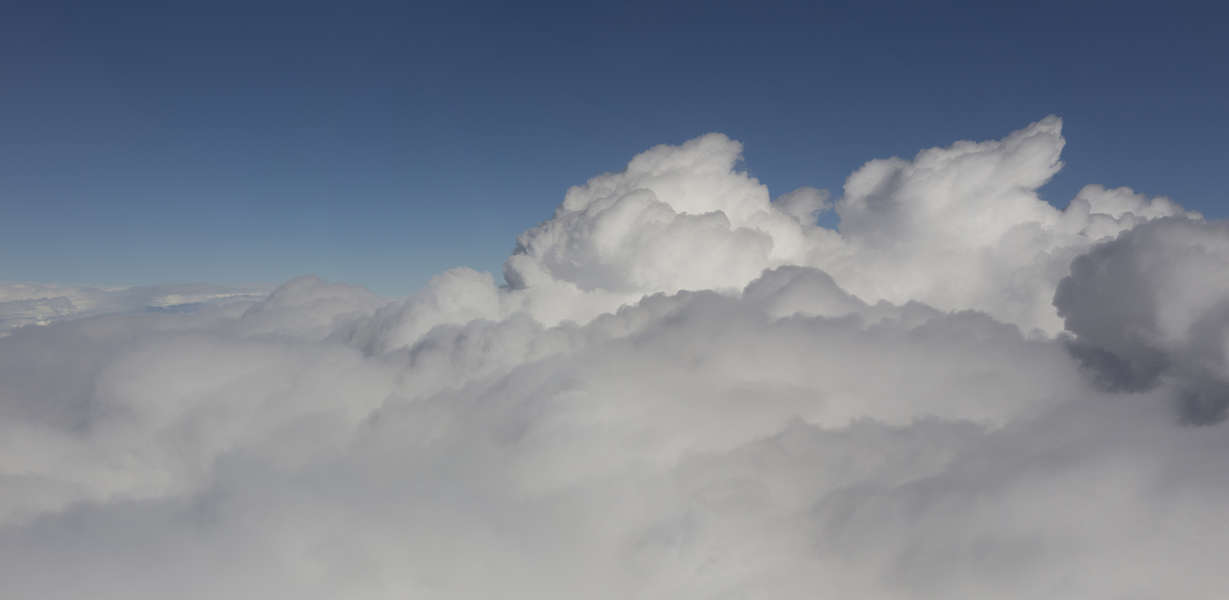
[[381, 144]]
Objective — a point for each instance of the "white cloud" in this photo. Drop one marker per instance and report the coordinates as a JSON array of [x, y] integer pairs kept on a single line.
[[957, 228], [686, 390], [24, 304]]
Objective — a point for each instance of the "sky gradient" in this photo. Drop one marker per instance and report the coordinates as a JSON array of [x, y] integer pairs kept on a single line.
[[379, 145]]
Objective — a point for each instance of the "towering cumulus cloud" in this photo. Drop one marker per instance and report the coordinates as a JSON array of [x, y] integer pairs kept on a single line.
[[684, 388]]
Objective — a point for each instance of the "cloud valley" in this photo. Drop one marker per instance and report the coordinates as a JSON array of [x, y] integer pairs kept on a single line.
[[684, 388]]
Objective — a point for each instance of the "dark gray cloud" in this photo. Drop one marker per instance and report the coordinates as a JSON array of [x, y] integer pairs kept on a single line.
[[1151, 307]]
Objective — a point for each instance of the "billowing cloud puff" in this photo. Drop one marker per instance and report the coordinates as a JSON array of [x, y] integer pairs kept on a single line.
[[957, 228], [1153, 304], [963, 226], [683, 389]]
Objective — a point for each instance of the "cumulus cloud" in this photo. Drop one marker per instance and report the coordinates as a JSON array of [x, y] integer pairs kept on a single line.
[[1153, 305], [682, 389]]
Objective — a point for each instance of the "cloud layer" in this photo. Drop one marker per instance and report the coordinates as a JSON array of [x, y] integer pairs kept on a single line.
[[684, 388], [24, 304]]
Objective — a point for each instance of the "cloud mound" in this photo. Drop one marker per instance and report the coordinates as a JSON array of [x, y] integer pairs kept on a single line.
[[684, 388], [1153, 305], [957, 228]]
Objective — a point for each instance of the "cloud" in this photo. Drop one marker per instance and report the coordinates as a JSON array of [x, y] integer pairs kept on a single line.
[[24, 304], [957, 228], [1153, 305], [683, 389]]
